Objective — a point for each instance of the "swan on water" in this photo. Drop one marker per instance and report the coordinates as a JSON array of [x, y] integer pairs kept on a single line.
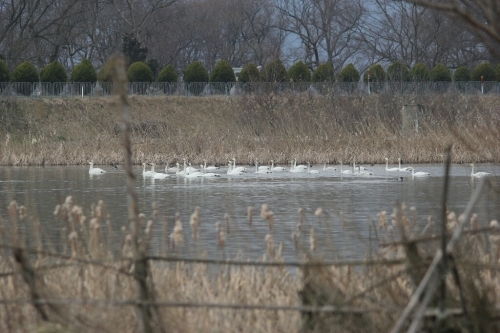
[[300, 166], [189, 169], [295, 169], [360, 167], [387, 166], [418, 174], [259, 170], [478, 174], [208, 174], [400, 168], [309, 169], [180, 172], [95, 171], [362, 172], [144, 172], [233, 172], [171, 169], [195, 174], [346, 172], [157, 175], [329, 168], [262, 167], [193, 171], [191, 175], [210, 167], [240, 168], [277, 168]]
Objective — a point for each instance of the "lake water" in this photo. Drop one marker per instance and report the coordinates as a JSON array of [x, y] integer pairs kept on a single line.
[[349, 204]]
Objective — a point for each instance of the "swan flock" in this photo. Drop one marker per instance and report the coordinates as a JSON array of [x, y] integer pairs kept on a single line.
[[187, 171]]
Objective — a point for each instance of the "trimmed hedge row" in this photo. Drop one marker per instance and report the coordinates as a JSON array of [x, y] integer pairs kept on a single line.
[[275, 71]]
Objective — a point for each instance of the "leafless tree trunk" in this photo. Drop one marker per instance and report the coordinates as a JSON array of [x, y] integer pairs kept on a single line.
[[481, 17], [400, 31], [327, 29]]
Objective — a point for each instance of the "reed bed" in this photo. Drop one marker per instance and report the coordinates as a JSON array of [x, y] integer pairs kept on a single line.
[[86, 286], [316, 129]]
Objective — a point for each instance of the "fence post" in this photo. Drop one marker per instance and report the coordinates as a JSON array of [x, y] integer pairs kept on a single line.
[[410, 114]]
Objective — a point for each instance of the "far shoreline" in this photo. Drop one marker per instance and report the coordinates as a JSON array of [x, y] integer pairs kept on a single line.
[[314, 129]]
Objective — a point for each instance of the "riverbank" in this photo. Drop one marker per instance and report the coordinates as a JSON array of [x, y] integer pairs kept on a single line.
[[56, 131]]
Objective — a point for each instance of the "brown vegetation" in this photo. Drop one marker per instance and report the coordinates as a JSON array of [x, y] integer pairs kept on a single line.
[[310, 128], [88, 287]]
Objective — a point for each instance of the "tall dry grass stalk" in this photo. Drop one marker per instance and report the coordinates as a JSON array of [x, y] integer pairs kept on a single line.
[[280, 128], [88, 290]]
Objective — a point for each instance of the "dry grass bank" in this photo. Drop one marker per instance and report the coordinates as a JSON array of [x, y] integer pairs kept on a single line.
[[86, 288], [310, 128]]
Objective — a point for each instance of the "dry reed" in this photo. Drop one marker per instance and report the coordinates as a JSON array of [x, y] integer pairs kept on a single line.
[[89, 290], [310, 128]]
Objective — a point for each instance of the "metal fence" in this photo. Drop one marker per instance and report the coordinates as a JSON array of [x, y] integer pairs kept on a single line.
[[89, 89]]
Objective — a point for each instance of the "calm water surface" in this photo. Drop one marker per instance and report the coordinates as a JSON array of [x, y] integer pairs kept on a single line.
[[351, 201]]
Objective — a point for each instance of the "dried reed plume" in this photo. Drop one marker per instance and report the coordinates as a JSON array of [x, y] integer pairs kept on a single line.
[[268, 215], [194, 222], [249, 215], [312, 240], [270, 246], [226, 218], [382, 220], [319, 214], [176, 237], [221, 237]]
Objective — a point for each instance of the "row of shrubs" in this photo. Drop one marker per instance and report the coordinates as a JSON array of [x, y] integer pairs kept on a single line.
[[275, 71]]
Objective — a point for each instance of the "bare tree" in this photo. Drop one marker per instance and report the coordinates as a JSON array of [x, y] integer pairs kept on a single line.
[[136, 14], [399, 31], [327, 29], [481, 17], [239, 31], [31, 29]]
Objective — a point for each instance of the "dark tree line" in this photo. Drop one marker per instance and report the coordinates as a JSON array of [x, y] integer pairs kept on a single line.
[[178, 32]]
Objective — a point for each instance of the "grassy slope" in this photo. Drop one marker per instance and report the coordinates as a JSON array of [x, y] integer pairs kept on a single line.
[[314, 129]]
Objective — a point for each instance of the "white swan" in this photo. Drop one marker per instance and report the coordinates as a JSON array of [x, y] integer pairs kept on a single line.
[[233, 172], [191, 175], [277, 168], [362, 172], [262, 167], [295, 169], [195, 174], [387, 166], [300, 166], [95, 171], [259, 170], [180, 172], [240, 168], [309, 169], [208, 174], [346, 172], [189, 169], [329, 168], [478, 174], [400, 168], [157, 175], [210, 167], [171, 169], [193, 171], [144, 172], [418, 174]]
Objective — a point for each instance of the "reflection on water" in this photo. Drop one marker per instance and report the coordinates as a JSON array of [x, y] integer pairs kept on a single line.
[[349, 204]]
